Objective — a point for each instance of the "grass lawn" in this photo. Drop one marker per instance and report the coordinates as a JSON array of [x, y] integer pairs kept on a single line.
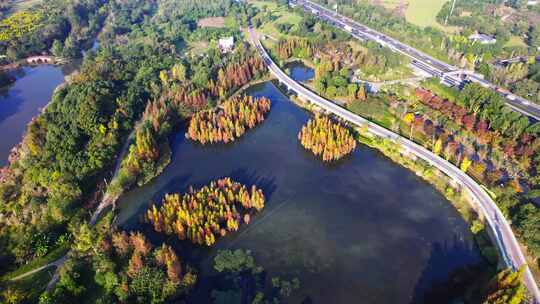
[[283, 13], [515, 41], [424, 12], [420, 12]]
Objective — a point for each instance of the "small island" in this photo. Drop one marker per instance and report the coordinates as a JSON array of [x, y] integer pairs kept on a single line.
[[200, 214], [230, 121], [326, 138]]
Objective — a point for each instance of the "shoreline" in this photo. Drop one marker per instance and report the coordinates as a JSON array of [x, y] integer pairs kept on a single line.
[[15, 150]]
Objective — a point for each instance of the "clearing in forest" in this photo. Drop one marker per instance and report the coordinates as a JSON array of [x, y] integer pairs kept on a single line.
[[218, 22]]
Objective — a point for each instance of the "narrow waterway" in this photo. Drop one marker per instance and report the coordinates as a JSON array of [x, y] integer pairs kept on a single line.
[[23, 100], [363, 230]]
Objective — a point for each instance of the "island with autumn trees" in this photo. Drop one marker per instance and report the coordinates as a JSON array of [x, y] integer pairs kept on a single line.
[[327, 139], [200, 215], [229, 121]]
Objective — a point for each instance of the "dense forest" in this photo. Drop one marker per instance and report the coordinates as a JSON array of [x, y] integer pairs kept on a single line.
[[201, 215], [505, 139], [61, 28], [230, 121], [125, 267], [332, 80], [326, 138], [69, 147]]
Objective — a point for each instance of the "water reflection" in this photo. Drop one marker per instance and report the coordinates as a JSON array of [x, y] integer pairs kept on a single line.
[[23, 100], [299, 72]]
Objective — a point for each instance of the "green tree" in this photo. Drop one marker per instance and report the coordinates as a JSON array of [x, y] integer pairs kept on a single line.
[[84, 239], [234, 261], [506, 288], [57, 48]]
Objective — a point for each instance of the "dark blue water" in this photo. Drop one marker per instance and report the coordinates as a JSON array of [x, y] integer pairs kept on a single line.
[[23, 100], [363, 230], [299, 72]]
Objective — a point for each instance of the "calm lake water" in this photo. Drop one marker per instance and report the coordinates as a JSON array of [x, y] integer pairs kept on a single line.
[[299, 72], [363, 230], [23, 100]]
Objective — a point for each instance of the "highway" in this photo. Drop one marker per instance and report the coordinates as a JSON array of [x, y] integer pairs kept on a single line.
[[449, 74], [506, 242]]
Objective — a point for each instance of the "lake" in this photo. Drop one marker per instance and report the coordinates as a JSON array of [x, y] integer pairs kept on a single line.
[[361, 230], [23, 100]]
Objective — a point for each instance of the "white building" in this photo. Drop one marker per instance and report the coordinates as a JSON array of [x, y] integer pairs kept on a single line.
[[226, 44], [482, 38]]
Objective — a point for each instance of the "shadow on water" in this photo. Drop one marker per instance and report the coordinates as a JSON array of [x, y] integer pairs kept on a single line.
[[299, 72], [446, 278], [11, 105], [247, 177]]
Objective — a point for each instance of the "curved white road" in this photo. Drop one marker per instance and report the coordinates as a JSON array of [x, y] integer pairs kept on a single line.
[[506, 241]]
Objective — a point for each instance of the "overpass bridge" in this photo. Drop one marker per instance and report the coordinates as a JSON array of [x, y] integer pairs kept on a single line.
[[449, 75], [504, 238]]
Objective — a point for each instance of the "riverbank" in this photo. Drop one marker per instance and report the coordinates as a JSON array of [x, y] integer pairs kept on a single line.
[[24, 100]]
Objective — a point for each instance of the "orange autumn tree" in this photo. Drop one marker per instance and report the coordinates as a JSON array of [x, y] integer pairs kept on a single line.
[[327, 139], [230, 121], [200, 215]]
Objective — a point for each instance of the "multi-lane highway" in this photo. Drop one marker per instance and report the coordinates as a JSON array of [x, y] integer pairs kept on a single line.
[[503, 235], [449, 74]]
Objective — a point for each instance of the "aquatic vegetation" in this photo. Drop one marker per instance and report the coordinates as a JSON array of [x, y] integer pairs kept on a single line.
[[326, 138], [200, 215], [230, 121]]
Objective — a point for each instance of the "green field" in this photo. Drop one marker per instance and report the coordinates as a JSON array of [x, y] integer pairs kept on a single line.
[[424, 12], [284, 16], [515, 41], [420, 12]]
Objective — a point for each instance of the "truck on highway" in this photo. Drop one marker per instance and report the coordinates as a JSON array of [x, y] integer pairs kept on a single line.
[[348, 28]]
